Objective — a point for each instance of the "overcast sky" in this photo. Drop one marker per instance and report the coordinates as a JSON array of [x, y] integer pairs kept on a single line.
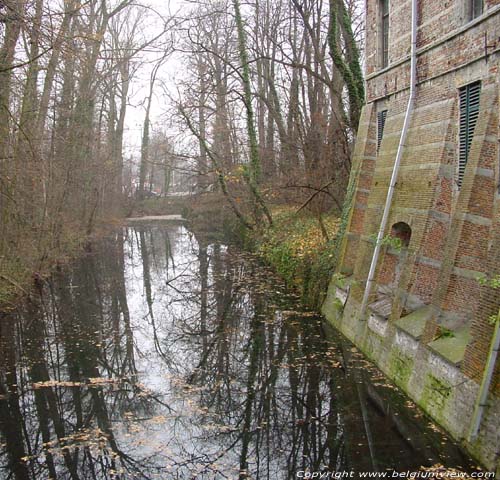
[[168, 75]]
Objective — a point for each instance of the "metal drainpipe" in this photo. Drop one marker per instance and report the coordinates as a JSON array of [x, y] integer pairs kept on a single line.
[[399, 154], [485, 384]]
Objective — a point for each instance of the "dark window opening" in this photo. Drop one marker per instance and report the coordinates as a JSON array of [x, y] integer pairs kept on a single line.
[[402, 231], [475, 8], [469, 112], [384, 11], [381, 116]]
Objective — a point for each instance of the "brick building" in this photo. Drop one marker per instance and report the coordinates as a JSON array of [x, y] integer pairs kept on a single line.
[[419, 308]]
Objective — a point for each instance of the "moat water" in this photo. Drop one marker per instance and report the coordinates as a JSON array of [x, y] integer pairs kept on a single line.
[[158, 355]]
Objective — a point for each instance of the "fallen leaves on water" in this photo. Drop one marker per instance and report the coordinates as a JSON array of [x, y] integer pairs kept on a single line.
[[93, 381], [55, 383], [103, 381]]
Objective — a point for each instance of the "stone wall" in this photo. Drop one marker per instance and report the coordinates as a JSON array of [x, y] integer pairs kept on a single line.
[[427, 323]]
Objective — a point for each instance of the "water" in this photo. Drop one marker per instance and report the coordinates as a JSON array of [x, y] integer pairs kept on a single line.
[[159, 356]]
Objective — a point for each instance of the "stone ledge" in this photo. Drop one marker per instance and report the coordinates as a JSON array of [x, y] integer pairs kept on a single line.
[[452, 349], [414, 323]]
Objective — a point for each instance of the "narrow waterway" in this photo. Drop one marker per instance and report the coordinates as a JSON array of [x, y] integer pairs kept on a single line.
[[159, 356]]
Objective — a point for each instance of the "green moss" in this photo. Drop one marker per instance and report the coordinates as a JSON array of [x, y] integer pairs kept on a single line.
[[401, 367], [332, 307], [477, 448], [435, 396], [371, 346]]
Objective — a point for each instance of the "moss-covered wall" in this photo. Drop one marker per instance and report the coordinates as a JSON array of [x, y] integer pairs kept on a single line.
[[427, 322]]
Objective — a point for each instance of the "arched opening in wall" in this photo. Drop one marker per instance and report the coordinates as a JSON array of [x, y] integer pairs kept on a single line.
[[402, 231], [389, 274]]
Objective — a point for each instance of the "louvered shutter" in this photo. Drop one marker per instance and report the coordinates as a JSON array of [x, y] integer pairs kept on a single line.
[[381, 116], [469, 111]]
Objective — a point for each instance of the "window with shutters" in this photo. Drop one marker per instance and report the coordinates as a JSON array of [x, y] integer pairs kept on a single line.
[[384, 32], [469, 112], [381, 116]]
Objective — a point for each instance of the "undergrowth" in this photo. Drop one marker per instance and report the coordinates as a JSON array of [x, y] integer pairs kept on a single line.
[[37, 256], [295, 247]]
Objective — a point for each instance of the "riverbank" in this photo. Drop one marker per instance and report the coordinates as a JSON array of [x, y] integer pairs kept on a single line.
[[297, 246], [37, 256], [34, 259], [301, 250]]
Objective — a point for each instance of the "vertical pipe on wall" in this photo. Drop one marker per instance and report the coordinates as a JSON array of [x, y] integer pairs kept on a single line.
[[402, 140]]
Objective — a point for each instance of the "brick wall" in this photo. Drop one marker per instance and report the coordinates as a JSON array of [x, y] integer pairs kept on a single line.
[[455, 231], [451, 228]]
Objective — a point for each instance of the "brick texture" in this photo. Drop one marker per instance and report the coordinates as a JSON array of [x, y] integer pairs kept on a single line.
[[455, 232]]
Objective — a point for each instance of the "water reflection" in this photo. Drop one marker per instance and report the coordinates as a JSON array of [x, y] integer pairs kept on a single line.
[[157, 355]]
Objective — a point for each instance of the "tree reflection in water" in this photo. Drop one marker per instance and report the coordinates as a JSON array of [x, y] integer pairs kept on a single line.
[[157, 355]]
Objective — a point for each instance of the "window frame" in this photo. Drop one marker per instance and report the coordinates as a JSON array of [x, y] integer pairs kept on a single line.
[[475, 9], [384, 16]]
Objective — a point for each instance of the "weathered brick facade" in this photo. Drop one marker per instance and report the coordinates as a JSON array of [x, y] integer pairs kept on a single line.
[[428, 311]]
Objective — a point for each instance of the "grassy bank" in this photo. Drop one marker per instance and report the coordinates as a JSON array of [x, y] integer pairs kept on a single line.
[[298, 250], [295, 246]]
